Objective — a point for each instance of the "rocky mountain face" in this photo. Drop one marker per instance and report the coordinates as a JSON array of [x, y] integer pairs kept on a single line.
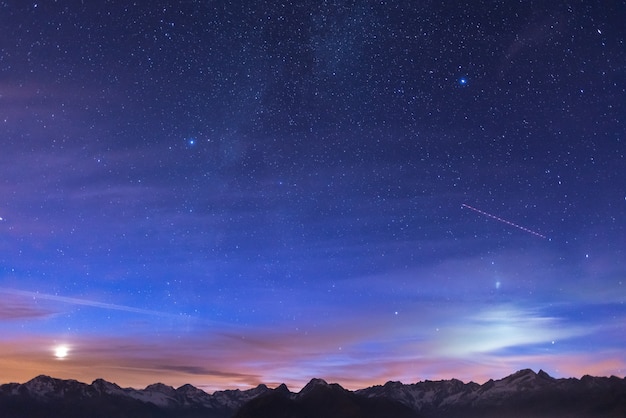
[[523, 394], [47, 397], [320, 399]]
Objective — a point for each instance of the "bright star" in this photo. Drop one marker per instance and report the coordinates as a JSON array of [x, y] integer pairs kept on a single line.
[[191, 141], [463, 81]]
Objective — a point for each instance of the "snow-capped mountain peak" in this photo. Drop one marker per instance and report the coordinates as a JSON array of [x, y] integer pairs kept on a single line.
[[524, 389]]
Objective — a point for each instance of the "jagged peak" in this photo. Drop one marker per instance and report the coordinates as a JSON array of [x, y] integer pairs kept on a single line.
[[523, 380], [282, 388], [544, 375], [50, 387], [160, 387], [43, 378], [393, 384], [524, 372], [456, 382], [101, 381], [313, 383], [188, 389], [528, 374], [41, 384], [258, 389], [103, 385], [316, 382]]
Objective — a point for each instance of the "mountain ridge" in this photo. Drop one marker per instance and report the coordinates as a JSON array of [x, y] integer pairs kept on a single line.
[[523, 392]]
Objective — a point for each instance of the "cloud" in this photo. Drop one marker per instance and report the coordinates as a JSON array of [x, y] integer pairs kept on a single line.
[[353, 353], [456, 339], [205, 372], [85, 302], [502, 327], [14, 309]]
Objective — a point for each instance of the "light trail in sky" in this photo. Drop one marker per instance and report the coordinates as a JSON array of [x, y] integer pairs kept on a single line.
[[530, 231]]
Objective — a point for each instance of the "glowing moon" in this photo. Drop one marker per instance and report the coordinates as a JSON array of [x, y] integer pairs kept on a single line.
[[61, 351]]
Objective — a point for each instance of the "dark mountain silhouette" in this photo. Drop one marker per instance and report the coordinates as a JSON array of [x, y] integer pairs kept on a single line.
[[523, 394], [319, 399]]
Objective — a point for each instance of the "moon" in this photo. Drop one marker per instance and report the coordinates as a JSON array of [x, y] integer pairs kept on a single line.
[[61, 351]]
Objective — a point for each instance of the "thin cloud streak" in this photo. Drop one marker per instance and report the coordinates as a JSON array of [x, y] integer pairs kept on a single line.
[[356, 351], [17, 310], [86, 302]]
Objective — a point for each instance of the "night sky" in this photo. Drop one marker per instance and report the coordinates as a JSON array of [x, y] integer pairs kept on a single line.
[[225, 193]]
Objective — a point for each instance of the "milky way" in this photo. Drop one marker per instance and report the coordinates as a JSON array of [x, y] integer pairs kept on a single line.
[[226, 193]]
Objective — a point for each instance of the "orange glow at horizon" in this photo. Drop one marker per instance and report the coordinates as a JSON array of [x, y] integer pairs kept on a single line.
[[239, 371]]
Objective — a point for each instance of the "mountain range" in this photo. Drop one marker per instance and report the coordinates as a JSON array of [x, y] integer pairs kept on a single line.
[[522, 394]]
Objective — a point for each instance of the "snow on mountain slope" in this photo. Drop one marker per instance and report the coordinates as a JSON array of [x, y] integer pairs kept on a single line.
[[525, 389], [425, 394], [47, 388], [524, 384]]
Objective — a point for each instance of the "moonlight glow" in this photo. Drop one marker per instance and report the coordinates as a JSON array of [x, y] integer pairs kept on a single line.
[[61, 351]]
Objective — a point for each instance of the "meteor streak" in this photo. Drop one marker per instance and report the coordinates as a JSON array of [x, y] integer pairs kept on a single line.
[[530, 231]]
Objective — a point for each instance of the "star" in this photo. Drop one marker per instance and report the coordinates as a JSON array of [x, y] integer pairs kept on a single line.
[[332, 165]]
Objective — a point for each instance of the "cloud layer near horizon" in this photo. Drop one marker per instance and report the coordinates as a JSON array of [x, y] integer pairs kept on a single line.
[[355, 351]]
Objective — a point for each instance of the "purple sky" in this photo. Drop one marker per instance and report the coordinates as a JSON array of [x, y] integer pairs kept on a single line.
[[228, 193]]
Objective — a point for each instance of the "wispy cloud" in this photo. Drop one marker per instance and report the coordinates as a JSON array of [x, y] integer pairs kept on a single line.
[[502, 327], [218, 360], [12, 309], [84, 302]]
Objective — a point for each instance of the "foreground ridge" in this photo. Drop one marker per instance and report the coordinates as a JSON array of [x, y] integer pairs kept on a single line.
[[524, 393]]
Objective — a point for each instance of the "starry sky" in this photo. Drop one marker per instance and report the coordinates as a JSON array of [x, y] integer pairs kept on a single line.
[[225, 193]]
